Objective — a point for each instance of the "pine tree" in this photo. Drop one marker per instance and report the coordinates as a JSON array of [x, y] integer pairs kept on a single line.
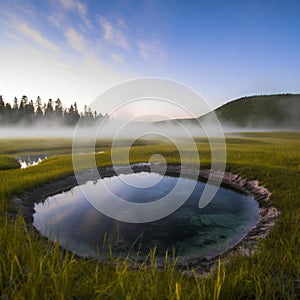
[[39, 110]]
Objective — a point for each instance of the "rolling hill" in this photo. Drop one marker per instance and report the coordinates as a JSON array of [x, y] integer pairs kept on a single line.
[[277, 112], [273, 111]]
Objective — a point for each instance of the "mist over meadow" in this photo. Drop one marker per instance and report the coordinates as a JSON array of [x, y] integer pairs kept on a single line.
[[52, 119]]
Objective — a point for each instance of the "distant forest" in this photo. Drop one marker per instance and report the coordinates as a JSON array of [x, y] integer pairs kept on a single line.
[[29, 113]]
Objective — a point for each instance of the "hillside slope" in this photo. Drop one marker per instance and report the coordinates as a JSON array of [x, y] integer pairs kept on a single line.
[[273, 111], [276, 112]]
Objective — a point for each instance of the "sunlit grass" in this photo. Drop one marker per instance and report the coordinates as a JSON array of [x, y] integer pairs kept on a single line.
[[35, 268]]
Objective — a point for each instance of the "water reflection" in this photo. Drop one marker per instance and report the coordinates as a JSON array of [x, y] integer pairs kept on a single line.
[[194, 232]]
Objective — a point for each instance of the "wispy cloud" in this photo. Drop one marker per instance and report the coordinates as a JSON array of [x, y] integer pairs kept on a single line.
[[56, 19], [77, 6], [74, 5], [117, 58], [66, 28], [148, 49], [114, 35], [54, 43], [68, 4], [143, 50], [122, 23], [81, 8], [76, 41], [34, 35]]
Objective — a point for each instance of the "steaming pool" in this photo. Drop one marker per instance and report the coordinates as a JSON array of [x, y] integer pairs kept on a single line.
[[71, 220]]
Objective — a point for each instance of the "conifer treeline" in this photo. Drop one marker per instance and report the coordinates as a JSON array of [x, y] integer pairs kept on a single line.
[[53, 112]]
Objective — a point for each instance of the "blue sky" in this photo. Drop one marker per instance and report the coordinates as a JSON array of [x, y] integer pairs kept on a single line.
[[75, 49]]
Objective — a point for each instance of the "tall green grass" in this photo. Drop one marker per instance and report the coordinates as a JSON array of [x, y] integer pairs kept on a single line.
[[32, 267], [8, 162]]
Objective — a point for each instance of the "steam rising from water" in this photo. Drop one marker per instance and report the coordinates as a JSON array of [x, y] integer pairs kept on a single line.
[[112, 127]]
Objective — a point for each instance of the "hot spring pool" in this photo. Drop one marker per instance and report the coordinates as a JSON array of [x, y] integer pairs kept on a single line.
[[71, 220]]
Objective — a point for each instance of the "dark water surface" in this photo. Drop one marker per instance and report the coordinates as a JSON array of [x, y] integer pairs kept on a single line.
[[30, 160], [69, 218]]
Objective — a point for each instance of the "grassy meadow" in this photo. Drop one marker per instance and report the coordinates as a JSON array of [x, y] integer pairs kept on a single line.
[[32, 267]]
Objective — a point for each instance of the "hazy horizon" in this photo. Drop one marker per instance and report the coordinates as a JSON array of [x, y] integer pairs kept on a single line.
[[75, 50]]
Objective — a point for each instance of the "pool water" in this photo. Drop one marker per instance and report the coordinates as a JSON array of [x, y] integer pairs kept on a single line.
[[193, 232], [26, 161]]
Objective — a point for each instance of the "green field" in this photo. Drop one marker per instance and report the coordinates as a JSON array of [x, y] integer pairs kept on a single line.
[[34, 268]]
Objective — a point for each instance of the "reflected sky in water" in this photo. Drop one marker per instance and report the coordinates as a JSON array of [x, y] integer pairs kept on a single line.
[[69, 218]]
